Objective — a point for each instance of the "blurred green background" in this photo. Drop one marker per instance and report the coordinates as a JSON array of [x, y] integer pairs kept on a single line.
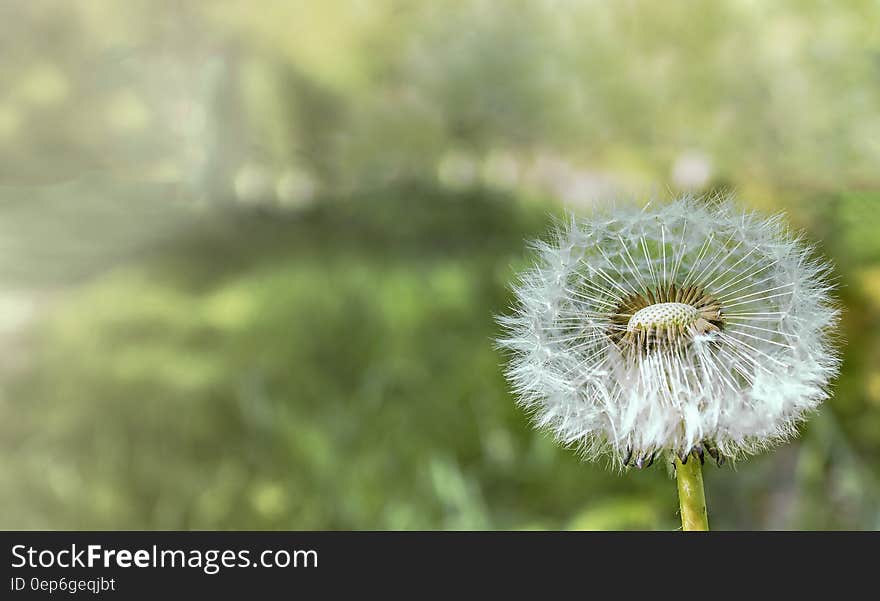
[[252, 251]]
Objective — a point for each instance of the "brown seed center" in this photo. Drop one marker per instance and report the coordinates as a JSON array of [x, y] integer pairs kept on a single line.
[[669, 316]]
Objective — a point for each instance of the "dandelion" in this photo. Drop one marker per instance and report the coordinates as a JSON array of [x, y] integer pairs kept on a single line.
[[676, 330]]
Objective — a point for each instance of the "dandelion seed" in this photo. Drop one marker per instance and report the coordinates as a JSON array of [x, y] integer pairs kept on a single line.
[[681, 328]]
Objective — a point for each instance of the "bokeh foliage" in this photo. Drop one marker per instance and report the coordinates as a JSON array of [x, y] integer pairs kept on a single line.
[[252, 257]]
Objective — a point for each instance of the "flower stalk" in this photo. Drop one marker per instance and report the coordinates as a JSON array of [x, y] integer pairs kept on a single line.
[[691, 497]]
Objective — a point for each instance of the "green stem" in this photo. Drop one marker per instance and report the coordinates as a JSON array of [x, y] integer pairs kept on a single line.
[[691, 497]]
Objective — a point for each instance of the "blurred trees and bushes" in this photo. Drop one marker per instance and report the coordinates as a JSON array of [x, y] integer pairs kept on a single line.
[[253, 254]]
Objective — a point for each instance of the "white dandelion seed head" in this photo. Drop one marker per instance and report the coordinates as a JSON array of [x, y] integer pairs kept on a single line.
[[679, 327]]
